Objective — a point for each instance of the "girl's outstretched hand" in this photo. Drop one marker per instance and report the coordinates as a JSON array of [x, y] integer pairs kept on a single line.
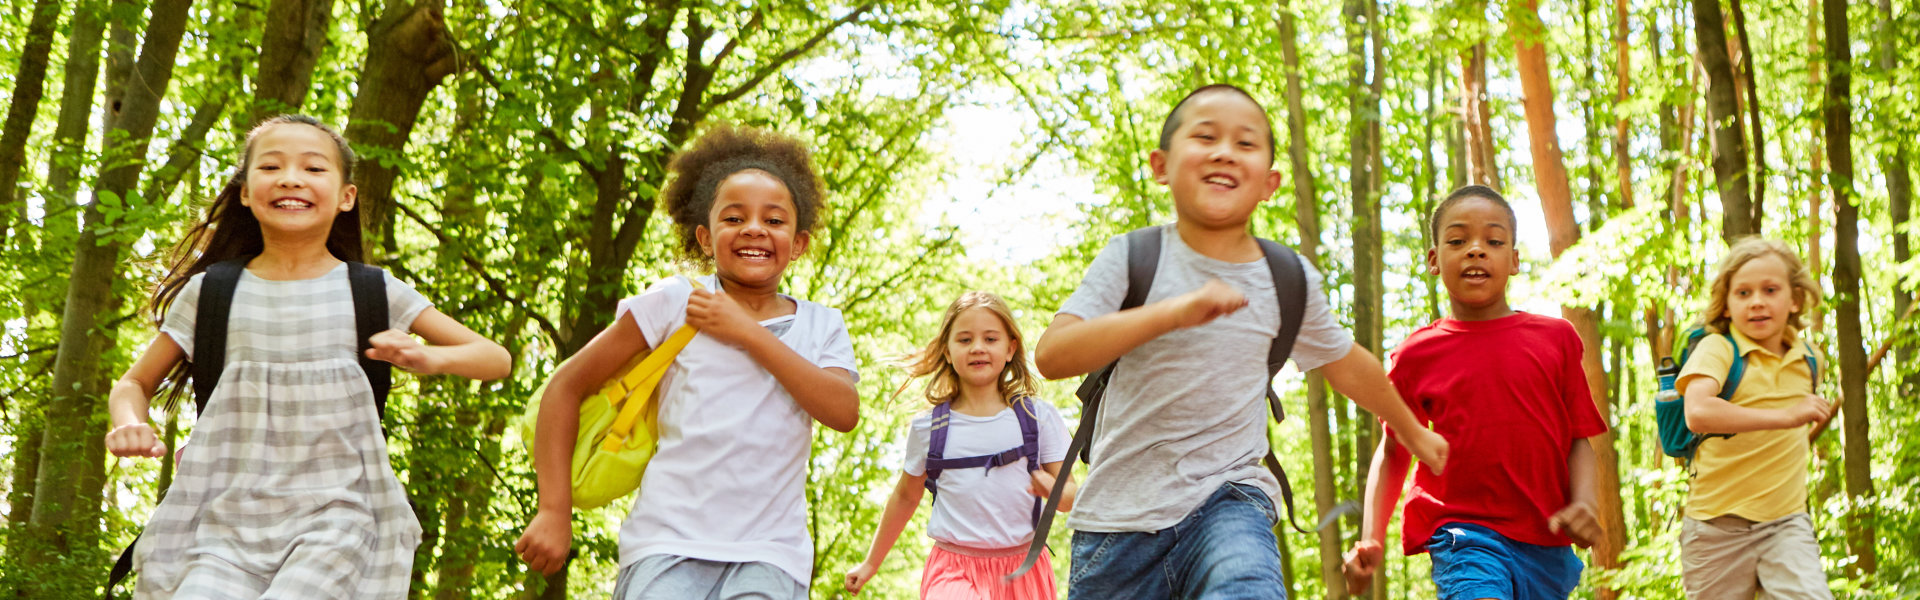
[[858, 577], [395, 346], [544, 545], [718, 315], [135, 439]]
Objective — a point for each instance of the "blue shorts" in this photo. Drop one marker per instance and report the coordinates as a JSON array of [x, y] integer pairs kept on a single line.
[[1472, 562]]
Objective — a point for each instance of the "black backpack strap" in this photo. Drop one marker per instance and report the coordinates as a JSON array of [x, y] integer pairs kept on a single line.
[[1143, 262], [124, 565], [1290, 283], [210, 315], [369, 285]]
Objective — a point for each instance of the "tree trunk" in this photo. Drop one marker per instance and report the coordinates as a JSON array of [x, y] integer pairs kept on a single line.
[[29, 85], [1623, 92], [1307, 218], [296, 33], [1861, 535], [1816, 316], [1729, 144], [62, 525], [1370, 266], [1757, 208], [408, 54], [1556, 200], [1899, 201], [1481, 168]]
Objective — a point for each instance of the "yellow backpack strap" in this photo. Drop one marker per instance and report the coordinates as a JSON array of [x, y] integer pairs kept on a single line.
[[640, 382]]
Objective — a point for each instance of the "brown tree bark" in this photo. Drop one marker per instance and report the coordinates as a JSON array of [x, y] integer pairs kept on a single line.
[[1623, 92], [1861, 531], [296, 32], [1729, 143], [1816, 264], [1481, 167], [1369, 259], [63, 522], [1556, 200], [1307, 219], [29, 86], [408, 54], [1748, 79]]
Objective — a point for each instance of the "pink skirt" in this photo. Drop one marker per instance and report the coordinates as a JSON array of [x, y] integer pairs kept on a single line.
[[957, 572]]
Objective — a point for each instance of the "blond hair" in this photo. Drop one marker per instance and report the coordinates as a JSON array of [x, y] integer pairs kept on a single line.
[[944, 384], [1806, 290]]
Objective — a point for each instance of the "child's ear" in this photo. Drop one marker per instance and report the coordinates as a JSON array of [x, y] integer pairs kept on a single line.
[[800, 241], [1157, 159], [1273, 184], [1433, 261], [349, 196], [704, 238]]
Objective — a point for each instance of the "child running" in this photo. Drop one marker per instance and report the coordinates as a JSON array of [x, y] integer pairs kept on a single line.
[[723, 509], [1746, 530], [285, 490], [986, 486], [1507, 389], [1177, 504]]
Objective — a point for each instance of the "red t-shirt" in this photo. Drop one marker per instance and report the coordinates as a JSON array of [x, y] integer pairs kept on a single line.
[[1510, 397]]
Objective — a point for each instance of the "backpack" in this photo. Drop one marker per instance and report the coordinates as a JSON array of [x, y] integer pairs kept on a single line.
[[1028, 449], [1669, 404], [1143, 262], [215, 305]]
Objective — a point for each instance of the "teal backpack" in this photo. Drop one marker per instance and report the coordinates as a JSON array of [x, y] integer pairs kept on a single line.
[[1669, 405]]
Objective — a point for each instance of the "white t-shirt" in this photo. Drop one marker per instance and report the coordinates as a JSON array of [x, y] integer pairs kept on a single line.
[[978, 508], [728, 482], [1186, 412]]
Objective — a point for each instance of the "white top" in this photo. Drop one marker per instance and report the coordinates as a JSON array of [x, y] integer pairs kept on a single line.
[[728, 482], [978, 508], [1186, 412]]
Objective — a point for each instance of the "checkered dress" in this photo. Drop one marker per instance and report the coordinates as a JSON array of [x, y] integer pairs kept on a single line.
[[284, 490]]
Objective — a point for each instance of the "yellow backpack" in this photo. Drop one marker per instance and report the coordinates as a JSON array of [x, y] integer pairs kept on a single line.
[[619, 426]]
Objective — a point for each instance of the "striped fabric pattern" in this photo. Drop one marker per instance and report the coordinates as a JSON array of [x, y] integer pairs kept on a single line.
[[284, 489]]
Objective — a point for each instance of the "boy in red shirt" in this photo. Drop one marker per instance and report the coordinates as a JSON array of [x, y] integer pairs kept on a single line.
[[1507, 390]]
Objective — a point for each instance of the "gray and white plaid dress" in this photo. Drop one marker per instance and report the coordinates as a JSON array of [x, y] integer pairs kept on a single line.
[[284, 489]]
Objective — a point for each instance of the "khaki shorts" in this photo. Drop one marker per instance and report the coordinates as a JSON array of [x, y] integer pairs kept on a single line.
[[1731, 557]]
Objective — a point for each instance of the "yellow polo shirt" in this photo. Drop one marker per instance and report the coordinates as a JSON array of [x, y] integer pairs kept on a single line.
[[1757, 475]]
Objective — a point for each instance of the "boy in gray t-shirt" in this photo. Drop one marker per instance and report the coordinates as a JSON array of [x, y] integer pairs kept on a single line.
[[1179, 438]]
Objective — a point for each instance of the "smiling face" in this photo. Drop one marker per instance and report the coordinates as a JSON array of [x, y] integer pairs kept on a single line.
[[750, 231], [1474, 257], [1219, 162], [294, 180], [979, 347], [1760, 300]]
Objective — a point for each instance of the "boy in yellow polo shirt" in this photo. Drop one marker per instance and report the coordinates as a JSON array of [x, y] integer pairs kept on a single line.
[[1746, 526]]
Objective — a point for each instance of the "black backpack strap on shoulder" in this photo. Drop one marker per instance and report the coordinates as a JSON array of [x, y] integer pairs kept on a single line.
[[213, 307], [369, 285], [1143, 262], [1290, 284]]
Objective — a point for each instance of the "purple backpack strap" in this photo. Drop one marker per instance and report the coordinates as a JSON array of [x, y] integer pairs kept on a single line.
[[937, 446], [1029, 443]]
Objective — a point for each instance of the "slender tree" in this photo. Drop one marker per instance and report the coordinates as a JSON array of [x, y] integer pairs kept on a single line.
[[29, 85], [1861, 523], [1729, 143]]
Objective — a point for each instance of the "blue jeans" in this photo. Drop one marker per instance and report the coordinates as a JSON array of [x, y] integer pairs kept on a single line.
[[1224, 549], [1471, 562]]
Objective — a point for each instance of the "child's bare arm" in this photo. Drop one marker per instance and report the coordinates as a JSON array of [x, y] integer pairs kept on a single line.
[[455, 349], [826, 393], [544, 545], [1384, 483], [1359, 376], [1072, 346], [1043, 480], [1580, 518], [129, 401], [900, 507], [1707, 413]]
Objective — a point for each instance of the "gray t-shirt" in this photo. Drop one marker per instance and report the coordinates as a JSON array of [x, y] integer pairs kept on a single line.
[[1186, 412]]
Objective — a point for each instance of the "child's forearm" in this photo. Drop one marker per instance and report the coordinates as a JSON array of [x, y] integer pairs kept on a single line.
[[1384, 483], [900, 506], [128, 402], [554, 435], [481, 360], [826, 395], [1072, 346], [1706, 413], [1582, 473], [1359, 376]]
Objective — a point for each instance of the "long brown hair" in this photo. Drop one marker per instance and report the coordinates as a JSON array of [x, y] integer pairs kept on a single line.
[[229, 231], [1016, 379], [1806, 289]]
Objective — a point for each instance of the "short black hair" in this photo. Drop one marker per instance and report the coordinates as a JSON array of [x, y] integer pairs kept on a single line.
[[1173, 117], [1470, 191]]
